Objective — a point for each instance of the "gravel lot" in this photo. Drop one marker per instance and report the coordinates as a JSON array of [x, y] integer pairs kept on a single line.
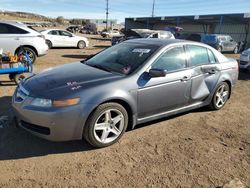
[[197, 149]]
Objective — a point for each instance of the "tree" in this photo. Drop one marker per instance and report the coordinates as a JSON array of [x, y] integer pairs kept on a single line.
[[60, 20]]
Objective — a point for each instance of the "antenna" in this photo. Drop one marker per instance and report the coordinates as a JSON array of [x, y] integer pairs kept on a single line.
[[107, 14], [153, 9]]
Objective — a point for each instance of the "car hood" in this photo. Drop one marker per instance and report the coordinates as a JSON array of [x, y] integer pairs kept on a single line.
[[63, 80]]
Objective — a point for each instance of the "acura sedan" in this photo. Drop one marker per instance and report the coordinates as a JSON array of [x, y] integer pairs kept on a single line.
[[130, 83]]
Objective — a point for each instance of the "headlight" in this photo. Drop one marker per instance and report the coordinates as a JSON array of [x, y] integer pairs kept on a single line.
[[56, 103], [41, 102]]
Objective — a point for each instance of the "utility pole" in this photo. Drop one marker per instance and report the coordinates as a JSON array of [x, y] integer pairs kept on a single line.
[[107, 14], [153, 9]]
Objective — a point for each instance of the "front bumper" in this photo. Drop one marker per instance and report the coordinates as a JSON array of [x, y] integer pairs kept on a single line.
[[55, 124]]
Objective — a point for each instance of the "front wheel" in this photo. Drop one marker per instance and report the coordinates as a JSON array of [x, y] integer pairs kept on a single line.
[[220, 96], [106, 125], [18, 78]]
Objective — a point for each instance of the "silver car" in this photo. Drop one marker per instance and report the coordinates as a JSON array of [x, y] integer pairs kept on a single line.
[[130, 83]]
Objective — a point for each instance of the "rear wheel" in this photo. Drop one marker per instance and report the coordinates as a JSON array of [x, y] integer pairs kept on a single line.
[[106, 125], [220, 96], [18, 78], [29, 51], [12, 76], [81, 44]]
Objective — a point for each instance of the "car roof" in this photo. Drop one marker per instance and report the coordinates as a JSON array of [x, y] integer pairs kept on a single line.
[[159, 42]]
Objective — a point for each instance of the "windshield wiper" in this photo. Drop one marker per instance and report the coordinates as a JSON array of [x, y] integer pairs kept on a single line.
[[100, 67]]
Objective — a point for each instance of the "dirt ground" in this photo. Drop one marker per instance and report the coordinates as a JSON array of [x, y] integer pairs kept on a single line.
[[197, 149]]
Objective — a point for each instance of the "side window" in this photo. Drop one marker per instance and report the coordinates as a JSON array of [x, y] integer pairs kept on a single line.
[[9, 29], [172, 60], [53, 32], [197, 55], [64, 33], [211, 56]]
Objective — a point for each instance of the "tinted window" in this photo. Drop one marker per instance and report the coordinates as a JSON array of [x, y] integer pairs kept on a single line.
[[197, 55], [211, 56], [53, 32], [9, 29], [172, 60], [122, 58], [64, 33]]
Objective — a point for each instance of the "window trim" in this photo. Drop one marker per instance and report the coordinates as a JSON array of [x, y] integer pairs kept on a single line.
[[169, 48]]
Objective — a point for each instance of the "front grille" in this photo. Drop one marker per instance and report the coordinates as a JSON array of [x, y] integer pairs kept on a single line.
[[35, 128]]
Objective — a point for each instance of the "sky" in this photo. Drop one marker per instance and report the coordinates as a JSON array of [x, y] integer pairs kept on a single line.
[[120, 9]]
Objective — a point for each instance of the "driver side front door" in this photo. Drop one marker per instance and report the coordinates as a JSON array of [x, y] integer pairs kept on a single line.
[[161, 94]]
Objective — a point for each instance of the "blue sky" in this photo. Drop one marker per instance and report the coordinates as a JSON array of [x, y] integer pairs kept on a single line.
[[119, 9]]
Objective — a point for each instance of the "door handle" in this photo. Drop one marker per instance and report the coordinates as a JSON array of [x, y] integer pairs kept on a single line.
[[16, 38], [185, 78]]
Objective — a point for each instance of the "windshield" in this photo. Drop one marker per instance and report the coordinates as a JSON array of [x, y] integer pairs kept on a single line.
[[123, 58]]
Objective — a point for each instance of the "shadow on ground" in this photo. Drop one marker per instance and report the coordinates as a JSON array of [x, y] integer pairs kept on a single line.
[[7, 83], [243, 75], [102, 46], [15, 143], [101, 39]]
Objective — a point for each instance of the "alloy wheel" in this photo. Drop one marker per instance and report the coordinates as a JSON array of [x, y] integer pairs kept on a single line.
[[108, 126], [221, 96]]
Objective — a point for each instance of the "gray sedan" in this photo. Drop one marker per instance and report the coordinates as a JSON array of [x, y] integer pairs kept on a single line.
[[130, 83]]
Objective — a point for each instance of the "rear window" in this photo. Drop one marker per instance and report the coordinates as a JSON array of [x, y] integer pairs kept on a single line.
[[9, 29]]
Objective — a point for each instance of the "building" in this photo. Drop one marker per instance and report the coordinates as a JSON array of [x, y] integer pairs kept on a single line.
[[236, 25]]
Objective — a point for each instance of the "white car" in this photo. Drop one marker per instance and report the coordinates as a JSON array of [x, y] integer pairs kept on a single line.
[[245, 60], [13, 35], [62, 38]]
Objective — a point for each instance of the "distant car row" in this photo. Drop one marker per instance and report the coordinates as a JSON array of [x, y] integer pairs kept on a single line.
[[14, 35]]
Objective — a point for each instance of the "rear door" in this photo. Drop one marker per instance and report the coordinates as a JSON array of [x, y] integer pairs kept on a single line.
[[67, 39], [205, 72], [161, 94]]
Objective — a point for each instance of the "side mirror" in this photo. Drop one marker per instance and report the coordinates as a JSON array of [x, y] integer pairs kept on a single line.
[[157, 73]]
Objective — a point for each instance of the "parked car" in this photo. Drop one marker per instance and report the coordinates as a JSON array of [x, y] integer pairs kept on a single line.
[[130, 83], [73, 29], [245, 60], [14, 35], [222, 43], [142, 33], [110, 34], [62, 38], [194, 37]]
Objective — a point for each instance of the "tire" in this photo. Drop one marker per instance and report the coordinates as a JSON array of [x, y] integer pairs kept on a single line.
[[49, 43], [18, 78], [220, 49], [235, 50], [12, 76], [81, 44], [220, 97], [106, 125], [30, 52]]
